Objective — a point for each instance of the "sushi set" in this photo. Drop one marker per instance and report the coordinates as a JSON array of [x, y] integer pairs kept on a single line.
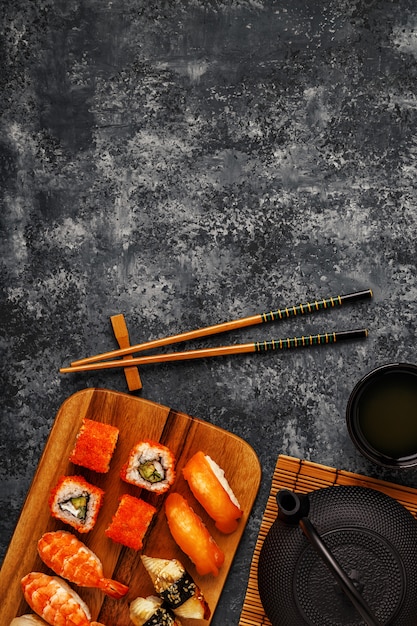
[[120, 545]]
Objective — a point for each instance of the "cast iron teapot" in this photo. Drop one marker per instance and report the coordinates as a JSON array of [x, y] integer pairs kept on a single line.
[[341, 556]]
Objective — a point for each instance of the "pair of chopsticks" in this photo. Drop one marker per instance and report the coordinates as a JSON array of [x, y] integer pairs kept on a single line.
[[117, 358]]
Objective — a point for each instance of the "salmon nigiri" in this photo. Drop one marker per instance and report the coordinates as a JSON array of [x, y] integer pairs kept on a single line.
[[210, 487], [192, 535], [53, 599], [70, 558]]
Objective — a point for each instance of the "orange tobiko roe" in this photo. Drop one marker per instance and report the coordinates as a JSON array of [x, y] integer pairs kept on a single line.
[[95, 445], [192, 536], [210, 493], [130, 522]]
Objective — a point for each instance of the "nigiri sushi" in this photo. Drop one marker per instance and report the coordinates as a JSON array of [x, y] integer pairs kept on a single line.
[[68, 557], [210, 487], [94, 445], [150, 611], [176, 587], [150, 465], [54, 600], [27, 620], [192, 536], [76, 502]]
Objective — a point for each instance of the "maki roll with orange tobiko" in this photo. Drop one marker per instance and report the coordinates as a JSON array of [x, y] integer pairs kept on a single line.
[[211, 488], [94, 445], [151, 466], [130, 522], [76, 502]]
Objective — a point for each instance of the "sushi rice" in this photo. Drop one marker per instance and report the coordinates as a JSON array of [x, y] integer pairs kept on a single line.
[[76, 502], [150, 465]]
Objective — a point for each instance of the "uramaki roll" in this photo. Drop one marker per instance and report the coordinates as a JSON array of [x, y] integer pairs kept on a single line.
[[150, 465], [76, 502]]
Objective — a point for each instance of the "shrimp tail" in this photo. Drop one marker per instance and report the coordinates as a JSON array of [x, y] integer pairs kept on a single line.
[[113, 588]]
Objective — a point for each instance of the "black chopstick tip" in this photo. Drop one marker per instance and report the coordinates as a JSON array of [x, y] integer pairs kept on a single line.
[[357, 295], [353, 334]]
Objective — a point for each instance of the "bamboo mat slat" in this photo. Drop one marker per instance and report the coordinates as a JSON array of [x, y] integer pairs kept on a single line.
[[302, 477]]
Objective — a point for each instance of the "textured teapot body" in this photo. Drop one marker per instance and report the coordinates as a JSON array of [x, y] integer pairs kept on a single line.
[[370, 536]]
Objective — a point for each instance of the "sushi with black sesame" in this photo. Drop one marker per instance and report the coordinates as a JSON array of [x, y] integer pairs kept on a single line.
[[151, 466], [176, 587], [151, 611], [76, 502]]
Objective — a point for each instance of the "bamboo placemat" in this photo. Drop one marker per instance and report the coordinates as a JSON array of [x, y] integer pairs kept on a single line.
[[302, 477]]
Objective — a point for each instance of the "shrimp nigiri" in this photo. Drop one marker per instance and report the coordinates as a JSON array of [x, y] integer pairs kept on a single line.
[[54, 600], [68, 557], [192, 536]]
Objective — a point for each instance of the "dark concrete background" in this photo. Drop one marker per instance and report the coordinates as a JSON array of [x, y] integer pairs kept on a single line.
[[187, 163]]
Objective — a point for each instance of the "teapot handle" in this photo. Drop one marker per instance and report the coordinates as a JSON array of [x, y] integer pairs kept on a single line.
[[294, 509]]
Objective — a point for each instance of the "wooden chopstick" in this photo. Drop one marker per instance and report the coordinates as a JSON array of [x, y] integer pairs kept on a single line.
[[258, 346], [279, 314]]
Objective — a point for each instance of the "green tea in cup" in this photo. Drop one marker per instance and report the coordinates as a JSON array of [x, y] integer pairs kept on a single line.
[[381, 415]]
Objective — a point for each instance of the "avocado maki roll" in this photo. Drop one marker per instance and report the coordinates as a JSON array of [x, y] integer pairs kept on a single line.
[[76, 502], [150, 465]]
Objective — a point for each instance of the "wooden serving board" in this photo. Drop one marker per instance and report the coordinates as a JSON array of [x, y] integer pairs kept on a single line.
[[136, 419]]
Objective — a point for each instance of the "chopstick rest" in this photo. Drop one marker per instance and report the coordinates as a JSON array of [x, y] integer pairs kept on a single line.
[[121, 333]]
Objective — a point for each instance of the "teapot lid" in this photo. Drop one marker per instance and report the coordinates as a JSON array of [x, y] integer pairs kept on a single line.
[[374, 539]]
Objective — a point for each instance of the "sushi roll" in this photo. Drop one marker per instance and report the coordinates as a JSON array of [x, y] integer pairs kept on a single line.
[[150, 465], [76, 502], [176, 588], [151, 612], [210, 487], [94, 445], [130, 522]]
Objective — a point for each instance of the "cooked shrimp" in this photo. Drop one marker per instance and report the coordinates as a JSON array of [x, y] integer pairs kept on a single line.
[[54, 600], [68, 557]]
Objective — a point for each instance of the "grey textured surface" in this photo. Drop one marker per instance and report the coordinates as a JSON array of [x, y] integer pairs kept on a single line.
[[187, 163]]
